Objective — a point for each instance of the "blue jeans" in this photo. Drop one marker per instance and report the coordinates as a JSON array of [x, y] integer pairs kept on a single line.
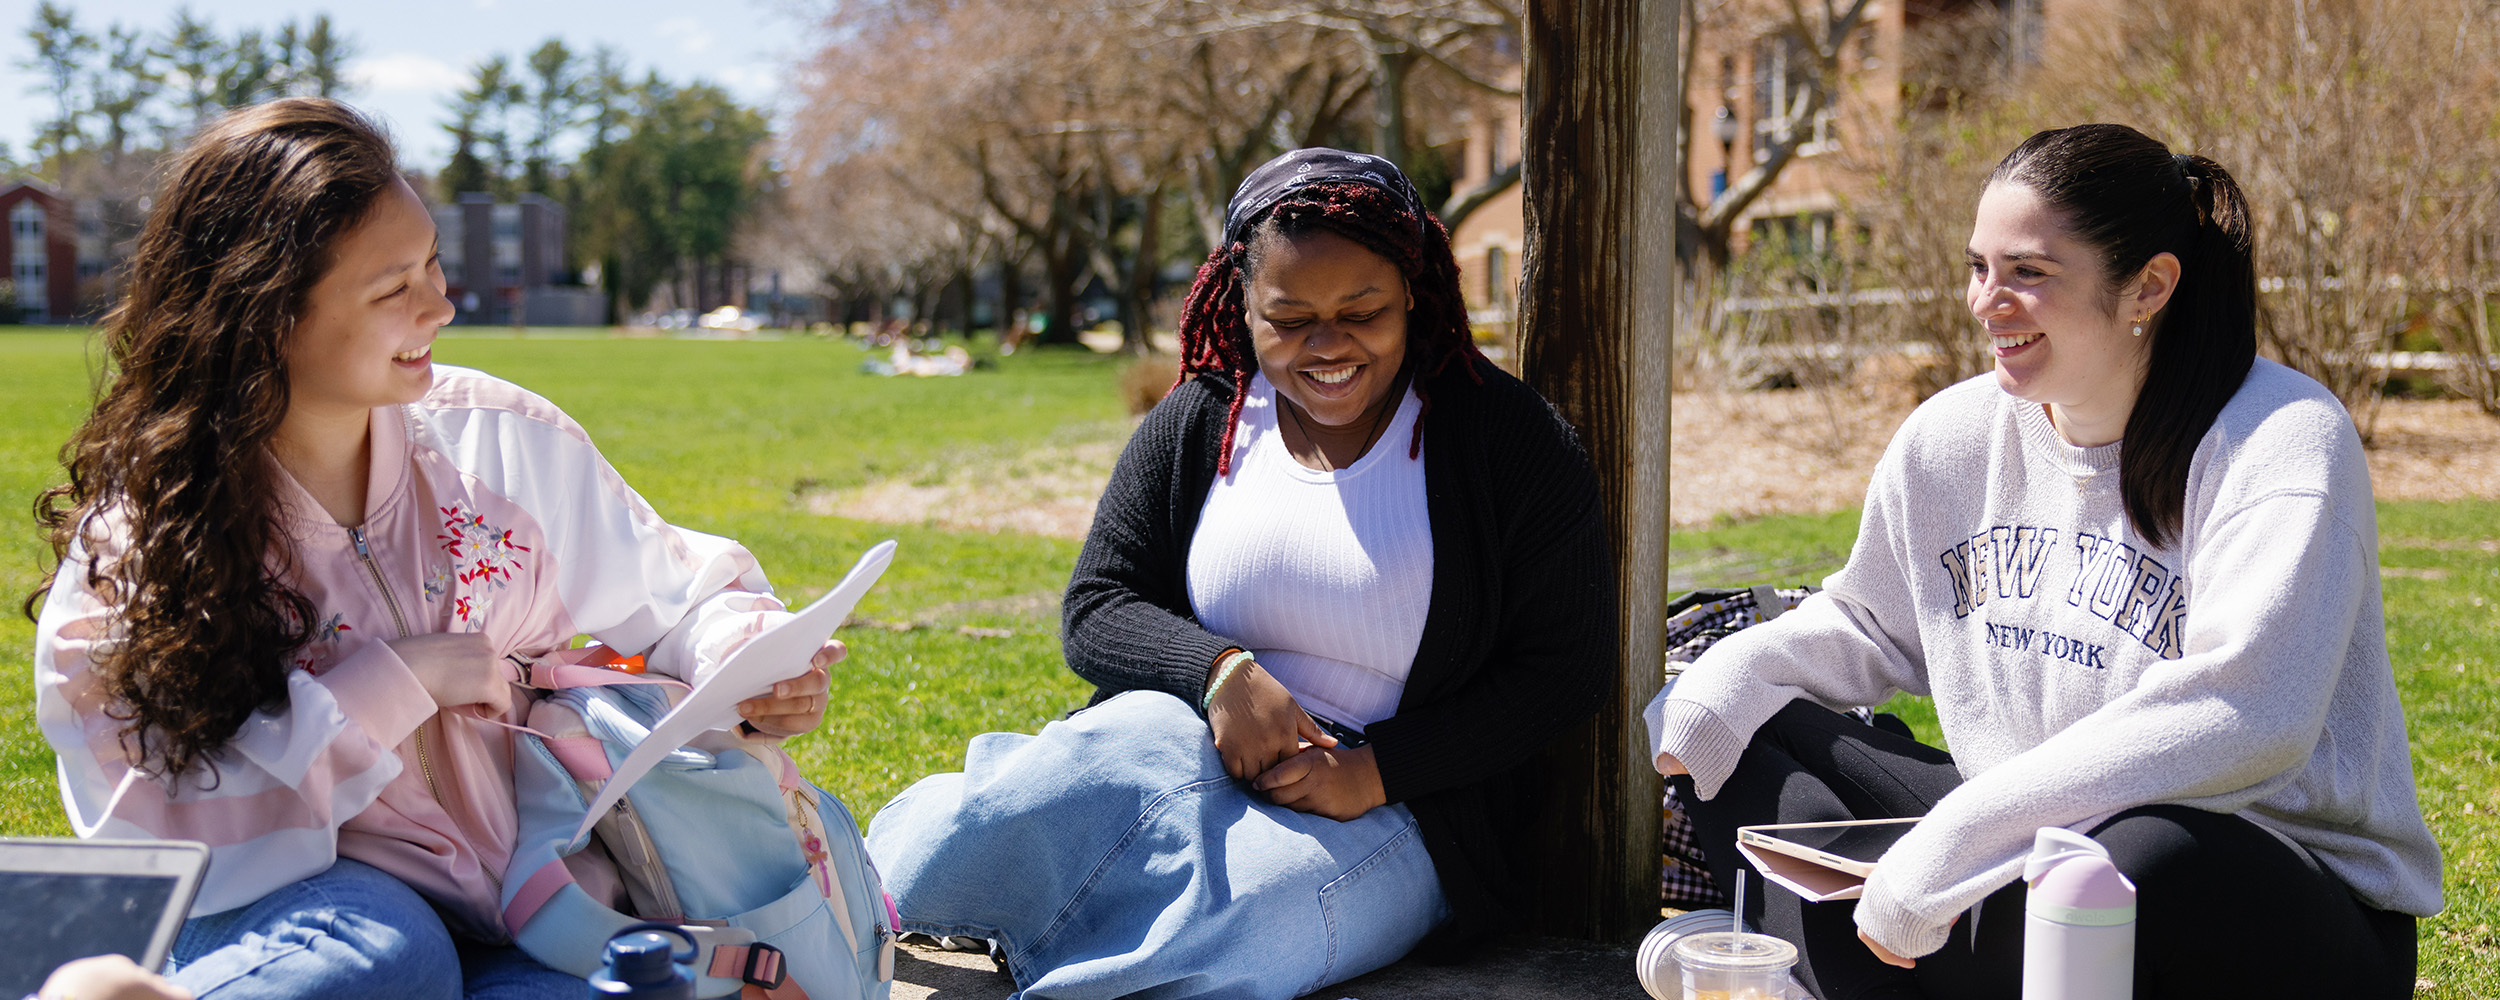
[[1111, 855], [351, 931]]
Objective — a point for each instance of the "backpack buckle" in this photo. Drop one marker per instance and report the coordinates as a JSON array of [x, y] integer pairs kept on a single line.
[[764, 966], [756, 964]]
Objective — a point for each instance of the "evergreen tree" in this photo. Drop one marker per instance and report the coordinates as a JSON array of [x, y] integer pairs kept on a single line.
[[61, 52], [324, 53], [555, 104], [192, 53], [123, 89]]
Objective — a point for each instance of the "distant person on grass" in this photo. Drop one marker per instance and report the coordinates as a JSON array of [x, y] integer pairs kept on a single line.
[[300, 567], [1347, 578], [2137, 570]]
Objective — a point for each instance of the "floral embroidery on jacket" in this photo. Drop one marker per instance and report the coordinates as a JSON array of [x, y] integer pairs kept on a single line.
[[483, 558], [324, 644]]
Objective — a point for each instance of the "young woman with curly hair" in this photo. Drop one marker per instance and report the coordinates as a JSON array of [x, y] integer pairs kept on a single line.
[[1346, 579], [301, 567]]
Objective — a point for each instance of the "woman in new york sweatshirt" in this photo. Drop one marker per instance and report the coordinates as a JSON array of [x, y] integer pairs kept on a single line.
[[2136, 568], [301, 568]]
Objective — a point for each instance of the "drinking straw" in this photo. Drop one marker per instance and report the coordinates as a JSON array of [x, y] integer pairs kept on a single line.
[[1736, 921]]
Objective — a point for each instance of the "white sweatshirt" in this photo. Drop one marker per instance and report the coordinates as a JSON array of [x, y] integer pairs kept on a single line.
[[2078, 671]]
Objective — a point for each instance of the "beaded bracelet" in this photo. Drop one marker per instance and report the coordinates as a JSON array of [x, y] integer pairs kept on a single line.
[[1223, 672]]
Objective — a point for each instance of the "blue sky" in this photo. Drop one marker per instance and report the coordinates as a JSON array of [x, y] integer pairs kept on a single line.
[[414, 53]]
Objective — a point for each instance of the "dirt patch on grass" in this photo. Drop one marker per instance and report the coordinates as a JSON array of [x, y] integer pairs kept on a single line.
[[1737, 455], [1749, 454], [1742, 455], [1047, 491], [2443, 449]]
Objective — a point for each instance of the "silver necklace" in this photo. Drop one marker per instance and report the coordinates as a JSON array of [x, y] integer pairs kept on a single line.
[[1379, 421]]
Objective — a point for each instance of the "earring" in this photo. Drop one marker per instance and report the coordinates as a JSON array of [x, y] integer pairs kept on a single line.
[[2139, 328]]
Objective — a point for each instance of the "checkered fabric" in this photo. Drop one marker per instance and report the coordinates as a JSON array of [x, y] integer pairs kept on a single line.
[[1683, 873], [1696, 621], [1699, 619]]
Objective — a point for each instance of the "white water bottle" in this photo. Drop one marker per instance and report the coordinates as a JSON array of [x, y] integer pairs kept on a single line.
[[2079, 931]]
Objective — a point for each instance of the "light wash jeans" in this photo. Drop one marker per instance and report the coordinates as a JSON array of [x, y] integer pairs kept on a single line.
[[1111, 856], [351, 931]]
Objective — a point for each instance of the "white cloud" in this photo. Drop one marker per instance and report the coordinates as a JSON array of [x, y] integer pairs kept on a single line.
[[692, 37], [749, 79], [405, 72]]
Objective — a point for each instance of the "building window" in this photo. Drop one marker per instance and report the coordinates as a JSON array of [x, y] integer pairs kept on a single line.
[[1784, 71], [26, 228], [506, 220], [451, 243], [32, 297], [1496, 277], [26, 260], [448, 242]]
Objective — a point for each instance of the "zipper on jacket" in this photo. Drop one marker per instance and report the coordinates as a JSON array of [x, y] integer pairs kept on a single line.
[[425, 761], [365, 553]]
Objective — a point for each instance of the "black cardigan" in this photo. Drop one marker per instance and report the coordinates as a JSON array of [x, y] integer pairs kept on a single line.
[[1519, 644]]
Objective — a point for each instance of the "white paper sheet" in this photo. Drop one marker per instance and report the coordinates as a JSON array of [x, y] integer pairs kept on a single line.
[[779, 654]]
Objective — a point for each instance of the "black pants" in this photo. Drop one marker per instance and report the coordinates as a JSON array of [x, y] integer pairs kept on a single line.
[[2224, 907]]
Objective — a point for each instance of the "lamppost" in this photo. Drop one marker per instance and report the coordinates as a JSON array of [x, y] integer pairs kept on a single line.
[[1724, 126]]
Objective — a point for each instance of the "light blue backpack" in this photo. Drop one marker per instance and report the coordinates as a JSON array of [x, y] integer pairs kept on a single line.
[[724, 837]]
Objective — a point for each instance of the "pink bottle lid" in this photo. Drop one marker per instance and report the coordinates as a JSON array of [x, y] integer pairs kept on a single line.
[[2074, 882], [2088, 891]]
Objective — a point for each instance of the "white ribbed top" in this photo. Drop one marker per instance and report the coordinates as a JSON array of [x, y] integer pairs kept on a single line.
[[1325, 576]]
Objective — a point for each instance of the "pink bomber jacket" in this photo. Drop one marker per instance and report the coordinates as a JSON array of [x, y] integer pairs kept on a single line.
[[488, 511]]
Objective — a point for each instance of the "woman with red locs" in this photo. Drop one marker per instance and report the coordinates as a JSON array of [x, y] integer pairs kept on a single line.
[[1347, 578]]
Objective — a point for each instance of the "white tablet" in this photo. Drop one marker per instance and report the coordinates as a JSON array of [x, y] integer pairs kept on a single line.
[[1849, 846], [69, 899]]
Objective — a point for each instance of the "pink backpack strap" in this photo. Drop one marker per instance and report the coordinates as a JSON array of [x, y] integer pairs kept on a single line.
[[559, 676], [536, 890], [588, 666]]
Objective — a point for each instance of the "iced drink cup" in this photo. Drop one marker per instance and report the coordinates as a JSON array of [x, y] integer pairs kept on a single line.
[[1729, 966]]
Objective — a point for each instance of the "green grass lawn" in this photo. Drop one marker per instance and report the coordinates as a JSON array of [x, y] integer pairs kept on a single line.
[[722, 437]]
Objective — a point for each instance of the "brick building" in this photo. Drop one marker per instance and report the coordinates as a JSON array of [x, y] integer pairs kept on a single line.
[[1747, 69], [1488, 240], [42, 246]]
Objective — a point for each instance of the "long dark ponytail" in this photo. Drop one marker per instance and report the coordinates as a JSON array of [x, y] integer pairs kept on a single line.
[[2128, 197]]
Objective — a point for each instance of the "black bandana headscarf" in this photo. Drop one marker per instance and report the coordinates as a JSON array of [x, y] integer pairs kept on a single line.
[[1303, 167]]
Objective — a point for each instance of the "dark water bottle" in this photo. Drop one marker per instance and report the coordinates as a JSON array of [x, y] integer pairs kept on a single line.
[[643, 963]]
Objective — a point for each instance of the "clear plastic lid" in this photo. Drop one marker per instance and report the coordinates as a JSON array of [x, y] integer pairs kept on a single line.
[[1728, 951]]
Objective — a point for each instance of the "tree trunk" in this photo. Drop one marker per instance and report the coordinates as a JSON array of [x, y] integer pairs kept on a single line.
[[1062, 264], [1137, 294], [1595, 339], [1010, 297], [1391, 60], [959, 296]]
